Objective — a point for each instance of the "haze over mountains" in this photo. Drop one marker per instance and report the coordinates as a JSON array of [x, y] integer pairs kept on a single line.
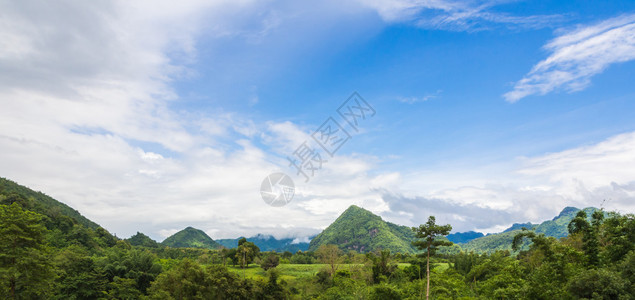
[[355, 229]]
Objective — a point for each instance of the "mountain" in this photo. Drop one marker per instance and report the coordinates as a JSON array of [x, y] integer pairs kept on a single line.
[[464, 237], [268, 243], [517, 226], [190, 238], [557, 227], [141, 239], [38, 202], [361, 230]]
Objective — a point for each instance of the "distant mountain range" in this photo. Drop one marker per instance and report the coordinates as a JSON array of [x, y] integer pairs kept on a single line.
[[355, 229], [269, 243], [557, 227], [360, 230]]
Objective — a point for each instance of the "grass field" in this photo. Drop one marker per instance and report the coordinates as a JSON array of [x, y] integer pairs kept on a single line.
[[288, 272], [291, 272]]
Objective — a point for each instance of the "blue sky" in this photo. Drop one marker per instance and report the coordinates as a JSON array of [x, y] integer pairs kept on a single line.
[[153, 117]]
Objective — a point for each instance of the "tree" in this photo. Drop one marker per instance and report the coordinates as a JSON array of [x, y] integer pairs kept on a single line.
[[226, 285], [330, 255], [273, 289], [589, 232], [78, 275], [246, 252], [381, 268], [598, 284], [270, 261], [429, 234], [25, 270], [187, 280]]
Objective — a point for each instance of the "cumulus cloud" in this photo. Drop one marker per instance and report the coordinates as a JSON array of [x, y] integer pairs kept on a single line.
[[594, 175], [86, 94], [577, 56]]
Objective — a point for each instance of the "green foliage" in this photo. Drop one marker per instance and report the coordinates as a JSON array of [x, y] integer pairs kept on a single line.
[[268, 243], [330, 255], [274, 288], [142, 240], [38, 202], [270, 261], [598, 284], [78, 275], [558, 228], [140, 266], [46, 254], [123, 288], [382, 267], [302, 258], [226, 285], [246, 252], [187, 280], [25, 271], [384, 292], [428, 240], [190, 238], [360, 230]]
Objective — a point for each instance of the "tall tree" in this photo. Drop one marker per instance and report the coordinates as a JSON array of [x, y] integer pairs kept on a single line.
[[429, 234], [25, 268], [246, 252], [589, 232], [330, 255], [243, 254]]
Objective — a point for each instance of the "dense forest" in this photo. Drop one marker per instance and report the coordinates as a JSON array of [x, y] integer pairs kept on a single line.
[[49, 251]]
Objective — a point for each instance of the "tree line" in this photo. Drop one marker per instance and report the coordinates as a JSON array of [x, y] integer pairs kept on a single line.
[[51, 256]]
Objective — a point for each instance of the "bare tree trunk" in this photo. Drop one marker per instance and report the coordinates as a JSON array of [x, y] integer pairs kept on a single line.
[[428, 275]]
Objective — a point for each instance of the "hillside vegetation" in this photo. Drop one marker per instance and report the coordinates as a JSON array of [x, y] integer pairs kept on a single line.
[[39, 202], [557, 228], [361, 230], [48, 255], [191, 238]]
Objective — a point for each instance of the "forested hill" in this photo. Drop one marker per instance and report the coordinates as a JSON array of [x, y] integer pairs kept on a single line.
[[191, 238], [557, 227], [361, 230], [11, 192], [143, 240]]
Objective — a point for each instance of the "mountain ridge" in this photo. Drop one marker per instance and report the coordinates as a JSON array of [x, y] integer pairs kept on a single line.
[[360, 230], [191, 237]]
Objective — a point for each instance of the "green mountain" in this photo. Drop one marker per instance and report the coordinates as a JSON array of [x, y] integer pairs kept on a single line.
[[503, 241], [38, 202], [361, 230], [464, 237], [141, 239], [268, 243], [191, 238], [517, 226]]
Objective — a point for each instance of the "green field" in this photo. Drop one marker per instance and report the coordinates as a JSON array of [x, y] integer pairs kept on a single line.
[[288, 272], [291, 272]]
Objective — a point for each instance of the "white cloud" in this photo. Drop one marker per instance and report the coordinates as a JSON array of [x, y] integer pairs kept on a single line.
[[413, 100], [86, 92], [577, 56], [535, 191], [453, 15]]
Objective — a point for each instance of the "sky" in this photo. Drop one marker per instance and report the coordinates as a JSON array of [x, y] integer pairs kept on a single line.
[[152, 116]]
